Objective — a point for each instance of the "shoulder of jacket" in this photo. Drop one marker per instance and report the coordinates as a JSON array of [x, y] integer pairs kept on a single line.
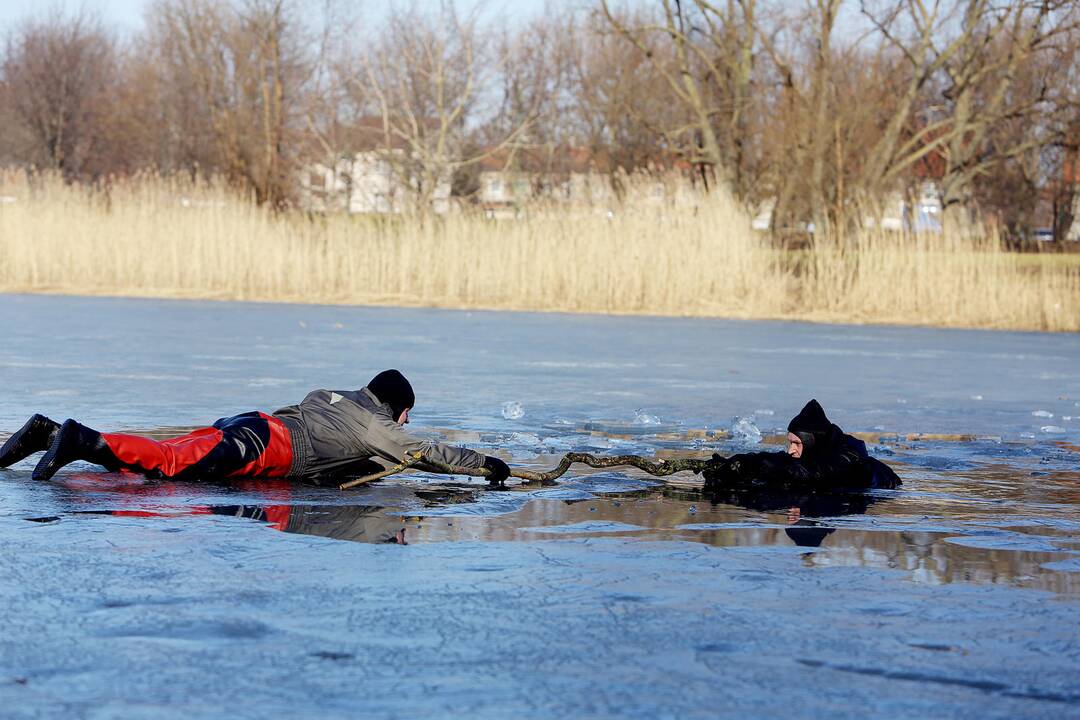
[[856, 445]]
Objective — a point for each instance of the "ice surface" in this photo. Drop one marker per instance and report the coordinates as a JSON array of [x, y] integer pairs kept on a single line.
[[573, 368], [524, 438], [954, 596], [1042, 414], [218, 618]]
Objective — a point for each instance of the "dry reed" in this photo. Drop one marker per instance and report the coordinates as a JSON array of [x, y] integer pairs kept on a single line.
[[164, 237]]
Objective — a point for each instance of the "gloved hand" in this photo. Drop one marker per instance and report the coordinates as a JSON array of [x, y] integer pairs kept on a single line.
[[730, 471], [499, 470], [744, 466], [716, 471]]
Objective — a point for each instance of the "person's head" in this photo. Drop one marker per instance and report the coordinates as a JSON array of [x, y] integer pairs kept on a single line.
[[808, 430], [391, 388]]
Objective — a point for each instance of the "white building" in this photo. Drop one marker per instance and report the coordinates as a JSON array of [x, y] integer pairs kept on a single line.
[[371, 182]]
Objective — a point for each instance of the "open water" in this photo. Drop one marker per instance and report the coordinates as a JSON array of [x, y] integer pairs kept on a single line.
[[610, 595]]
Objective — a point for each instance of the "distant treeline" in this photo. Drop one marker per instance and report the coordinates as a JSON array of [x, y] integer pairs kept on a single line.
[[823, 109]]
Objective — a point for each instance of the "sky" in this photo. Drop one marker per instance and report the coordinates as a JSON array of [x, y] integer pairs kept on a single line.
[[126, 15]]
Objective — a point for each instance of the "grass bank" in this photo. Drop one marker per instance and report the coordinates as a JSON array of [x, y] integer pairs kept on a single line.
[[166, 238]]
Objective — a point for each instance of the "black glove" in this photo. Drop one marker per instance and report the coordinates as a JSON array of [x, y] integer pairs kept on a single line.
[[715, 471], [499, 470], [734, 470], [745, 466]]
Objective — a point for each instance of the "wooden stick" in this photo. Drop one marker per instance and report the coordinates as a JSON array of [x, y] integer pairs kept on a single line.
[[658, 468], [408, 462]]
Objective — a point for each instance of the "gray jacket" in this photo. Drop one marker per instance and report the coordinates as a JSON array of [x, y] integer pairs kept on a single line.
[[333, 431]]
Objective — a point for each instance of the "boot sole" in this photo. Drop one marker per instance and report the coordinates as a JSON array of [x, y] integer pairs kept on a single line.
[[29, 426], [44, 469]]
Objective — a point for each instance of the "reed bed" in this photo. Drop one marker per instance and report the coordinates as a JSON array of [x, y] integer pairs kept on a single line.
[[164, 237]]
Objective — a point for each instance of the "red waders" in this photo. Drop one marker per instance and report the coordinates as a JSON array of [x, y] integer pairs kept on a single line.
[[252, 444]]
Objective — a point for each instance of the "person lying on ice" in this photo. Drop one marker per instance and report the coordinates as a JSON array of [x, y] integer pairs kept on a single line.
[[330, 433], [820, 456]]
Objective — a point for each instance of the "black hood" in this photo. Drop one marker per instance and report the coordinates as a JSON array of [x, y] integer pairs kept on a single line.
[[813, 427], [391, 387]]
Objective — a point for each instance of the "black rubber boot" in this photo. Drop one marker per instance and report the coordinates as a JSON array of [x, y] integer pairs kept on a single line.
[[75, 442], [36, 435]]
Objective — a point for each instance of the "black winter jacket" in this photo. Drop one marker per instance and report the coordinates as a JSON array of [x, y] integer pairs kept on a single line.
[[831, 459]]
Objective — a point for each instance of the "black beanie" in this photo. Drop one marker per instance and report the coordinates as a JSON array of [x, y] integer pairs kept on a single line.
[[811, 424], [391, 387]]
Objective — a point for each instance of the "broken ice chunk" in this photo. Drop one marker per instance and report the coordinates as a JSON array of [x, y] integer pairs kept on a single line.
[[513, 410], [643, 418], [745, 430]]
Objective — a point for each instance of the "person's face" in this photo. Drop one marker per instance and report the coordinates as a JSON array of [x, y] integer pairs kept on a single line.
[[404, 418], [794, 446]]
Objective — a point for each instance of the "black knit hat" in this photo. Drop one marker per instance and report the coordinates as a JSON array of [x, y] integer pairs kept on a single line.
[[811, 424], [391, 387]]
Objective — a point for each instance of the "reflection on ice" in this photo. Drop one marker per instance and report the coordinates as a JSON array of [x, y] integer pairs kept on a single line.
[[979, 523], [584, 527], [990, 540]]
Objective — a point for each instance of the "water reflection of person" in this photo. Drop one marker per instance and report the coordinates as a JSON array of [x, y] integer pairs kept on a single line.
[[796, 504], [356, 523], [277, 504], [327, 435], [820, 456], [798, 507], [806, 533]]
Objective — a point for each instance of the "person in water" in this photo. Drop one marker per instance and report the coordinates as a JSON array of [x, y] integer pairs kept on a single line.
[[329, 434], [820, 456]]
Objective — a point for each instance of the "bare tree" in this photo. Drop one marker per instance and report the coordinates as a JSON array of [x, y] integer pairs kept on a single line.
[[1061, 155], [966, 57], [620, 107], [705, 52], [234, 74], [427, 82], [58, 76], [804, 60]]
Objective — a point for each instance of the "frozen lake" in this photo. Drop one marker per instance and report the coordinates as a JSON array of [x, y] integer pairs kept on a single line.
[[607, 596]]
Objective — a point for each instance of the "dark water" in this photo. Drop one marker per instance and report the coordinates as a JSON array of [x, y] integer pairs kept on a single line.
[[610, 595]]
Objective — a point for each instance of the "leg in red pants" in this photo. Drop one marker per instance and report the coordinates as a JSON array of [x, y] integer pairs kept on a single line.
[[253, 444]]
